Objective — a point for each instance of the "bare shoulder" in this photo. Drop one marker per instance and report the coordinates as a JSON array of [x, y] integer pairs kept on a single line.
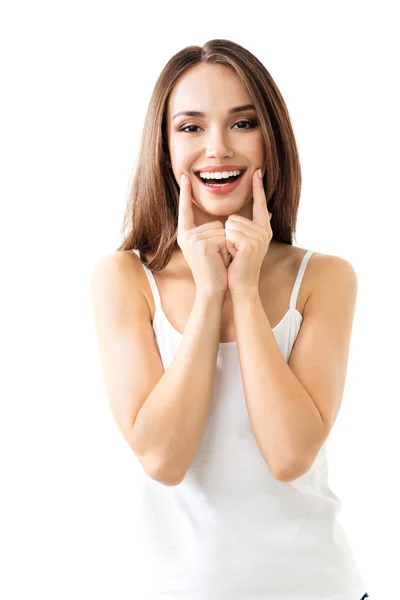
[[327, 265], [120, 274], [323, 265], [330, 276], [120, 259], [324, 273], [117, 263], [318, 260]]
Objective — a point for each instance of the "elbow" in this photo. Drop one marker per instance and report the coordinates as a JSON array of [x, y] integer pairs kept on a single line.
[[155, 468], [291, 471], [164, 475], [296, 466]]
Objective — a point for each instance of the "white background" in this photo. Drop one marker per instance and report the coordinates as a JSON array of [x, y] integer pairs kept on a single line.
[[76, 79]]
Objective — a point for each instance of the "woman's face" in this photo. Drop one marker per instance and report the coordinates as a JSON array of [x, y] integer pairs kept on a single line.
[[219, 138]]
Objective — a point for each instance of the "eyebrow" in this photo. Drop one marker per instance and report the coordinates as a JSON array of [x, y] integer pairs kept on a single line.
[[196, 113]]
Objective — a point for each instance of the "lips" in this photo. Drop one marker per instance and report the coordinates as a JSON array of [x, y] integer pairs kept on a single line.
[[221, 168], [218, 189], [218, 180]]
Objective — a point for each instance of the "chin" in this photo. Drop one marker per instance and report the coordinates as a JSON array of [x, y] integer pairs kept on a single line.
[[220, 208]]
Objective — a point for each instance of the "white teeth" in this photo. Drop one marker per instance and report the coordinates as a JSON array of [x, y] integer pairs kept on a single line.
[[218, 174]]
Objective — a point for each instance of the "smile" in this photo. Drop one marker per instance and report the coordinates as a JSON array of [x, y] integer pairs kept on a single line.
[[218, 186]]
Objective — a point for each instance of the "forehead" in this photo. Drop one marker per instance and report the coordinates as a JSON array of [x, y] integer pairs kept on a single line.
[[207, 88]]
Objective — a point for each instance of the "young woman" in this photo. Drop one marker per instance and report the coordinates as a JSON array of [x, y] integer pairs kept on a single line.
[[224, 347]]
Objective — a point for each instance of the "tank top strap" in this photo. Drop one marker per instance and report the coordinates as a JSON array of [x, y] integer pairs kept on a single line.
[[299, 278], [153, 284]]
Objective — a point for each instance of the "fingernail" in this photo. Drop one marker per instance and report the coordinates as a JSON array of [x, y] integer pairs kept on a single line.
[[260, 173], [183, 178]]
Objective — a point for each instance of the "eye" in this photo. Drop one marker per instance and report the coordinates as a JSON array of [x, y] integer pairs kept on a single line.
[[250, 122], [187, 127]]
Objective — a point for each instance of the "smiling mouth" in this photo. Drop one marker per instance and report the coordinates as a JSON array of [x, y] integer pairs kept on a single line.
[[222, 181]]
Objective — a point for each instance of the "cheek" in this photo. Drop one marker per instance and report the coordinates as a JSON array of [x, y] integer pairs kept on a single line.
[[183, 154], [254, 146]]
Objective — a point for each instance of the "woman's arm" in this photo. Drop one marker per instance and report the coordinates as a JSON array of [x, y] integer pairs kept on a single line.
[[171, 423], [293, 406], [162, 414]]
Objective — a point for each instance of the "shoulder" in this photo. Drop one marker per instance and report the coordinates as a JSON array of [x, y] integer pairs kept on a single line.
[[332, 279], [117, 262], [322, 266], [318, 261], [119, 274], [327, 267], [324, 274]]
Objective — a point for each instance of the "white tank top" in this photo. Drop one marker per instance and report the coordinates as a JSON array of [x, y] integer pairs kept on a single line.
[[230, 530]]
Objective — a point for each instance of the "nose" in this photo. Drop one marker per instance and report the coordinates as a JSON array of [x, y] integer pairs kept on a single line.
[[218, 145]]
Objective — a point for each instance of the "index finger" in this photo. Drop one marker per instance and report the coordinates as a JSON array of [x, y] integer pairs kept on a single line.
[[260, 208], [185, 212]]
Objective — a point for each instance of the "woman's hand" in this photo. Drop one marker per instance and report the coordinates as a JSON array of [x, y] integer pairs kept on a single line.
[[204, 247], [248, 242]]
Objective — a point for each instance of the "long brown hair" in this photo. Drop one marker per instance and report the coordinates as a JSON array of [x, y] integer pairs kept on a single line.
[[151, 217]]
